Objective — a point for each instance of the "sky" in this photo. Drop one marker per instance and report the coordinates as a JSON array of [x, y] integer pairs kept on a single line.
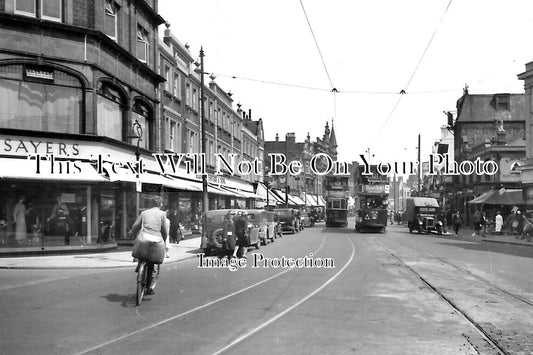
[[288, 55]]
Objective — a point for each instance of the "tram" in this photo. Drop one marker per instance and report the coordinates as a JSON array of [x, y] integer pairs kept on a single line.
[[372, 194], [337, 195]]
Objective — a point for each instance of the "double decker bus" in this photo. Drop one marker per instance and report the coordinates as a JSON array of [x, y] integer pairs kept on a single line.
[[372, 192], [337, 195]]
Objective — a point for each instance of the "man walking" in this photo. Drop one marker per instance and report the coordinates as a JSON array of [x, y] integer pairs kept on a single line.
[[456, 221]]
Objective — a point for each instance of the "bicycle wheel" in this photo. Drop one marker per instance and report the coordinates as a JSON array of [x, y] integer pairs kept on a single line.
[[141, 282]]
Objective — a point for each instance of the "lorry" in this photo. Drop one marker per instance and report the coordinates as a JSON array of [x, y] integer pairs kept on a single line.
[[422, 215]]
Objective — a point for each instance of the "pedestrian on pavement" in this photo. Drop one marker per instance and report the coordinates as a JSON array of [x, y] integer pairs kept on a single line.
[[228, 237], [484, 222], [522, 222], [243, 239], [167, 241], [513, 223], [478, 218], [456, 221], [152, 221], [528, 229], [174, 218], [499, 223], [519, 225]]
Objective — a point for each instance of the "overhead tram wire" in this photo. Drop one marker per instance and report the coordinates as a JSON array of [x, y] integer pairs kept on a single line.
[[350, 92], [404, 91], [274, 83], [333, 89], [317, 46]]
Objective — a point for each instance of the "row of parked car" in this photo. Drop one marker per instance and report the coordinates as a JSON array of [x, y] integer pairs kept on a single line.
[[263, 226]]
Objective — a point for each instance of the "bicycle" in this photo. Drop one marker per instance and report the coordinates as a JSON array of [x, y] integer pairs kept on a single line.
[[142, 280]]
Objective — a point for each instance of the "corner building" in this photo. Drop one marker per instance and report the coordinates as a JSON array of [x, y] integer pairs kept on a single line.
[[79, 81]]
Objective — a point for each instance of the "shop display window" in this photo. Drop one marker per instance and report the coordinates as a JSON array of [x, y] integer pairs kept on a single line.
[[37, 214]]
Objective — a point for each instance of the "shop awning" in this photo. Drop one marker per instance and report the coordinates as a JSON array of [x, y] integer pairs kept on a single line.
[[12, 168], [298, 201], [511, 197], [280, 195], [321, 201], [310, 200], [482, 198], [242, 193], [273, 197], [212, 189], [263, 191], [126, 175], [181, 184]]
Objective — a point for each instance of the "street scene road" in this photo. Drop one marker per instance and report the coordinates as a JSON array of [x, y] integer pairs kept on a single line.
[[388, 293]]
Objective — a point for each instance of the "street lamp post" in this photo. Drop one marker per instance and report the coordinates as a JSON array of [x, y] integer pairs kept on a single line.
[[419, 167], [287, 173], [204, 174], [138, 130]]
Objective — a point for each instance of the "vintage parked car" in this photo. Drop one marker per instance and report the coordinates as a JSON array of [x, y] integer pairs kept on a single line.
[[258, 231], [214, 230], [288, 219], [273, 226], [307, 219]]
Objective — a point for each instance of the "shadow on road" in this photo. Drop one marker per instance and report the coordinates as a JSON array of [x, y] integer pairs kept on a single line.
[[125, 300], [339, 230]]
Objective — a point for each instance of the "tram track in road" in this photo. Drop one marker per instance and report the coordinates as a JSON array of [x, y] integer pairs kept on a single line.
[[102, 346], [289, 309], [490, 340], [514, 295], [499, 333], [488, 282]]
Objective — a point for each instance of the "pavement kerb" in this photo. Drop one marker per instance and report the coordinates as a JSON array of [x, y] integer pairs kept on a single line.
[[67, 267], [111, 260], [466, 234]]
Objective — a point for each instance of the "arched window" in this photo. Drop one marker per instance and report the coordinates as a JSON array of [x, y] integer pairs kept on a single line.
[[110, 111], [40, 98], [142, 114]]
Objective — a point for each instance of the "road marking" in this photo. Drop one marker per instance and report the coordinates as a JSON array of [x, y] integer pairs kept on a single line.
[[273, 319], [194, 309]]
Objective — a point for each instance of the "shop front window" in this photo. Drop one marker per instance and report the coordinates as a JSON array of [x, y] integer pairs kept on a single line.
[[142, 114], [30, 99], [37, 214], [109, 221], [109, 104]]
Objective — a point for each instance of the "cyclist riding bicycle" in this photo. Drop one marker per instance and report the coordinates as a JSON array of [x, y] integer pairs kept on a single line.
[[152, 221]]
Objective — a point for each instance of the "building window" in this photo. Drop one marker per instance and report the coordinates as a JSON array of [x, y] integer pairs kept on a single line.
[[110, 19], [26, 7], [211, 112], [176, 86], [188, 95], [501, 102], [49, 9], [40, 99], [142, 45], [195, 99], [192, 144], [110, 116], [211, 153], [142, 114], [173, 135], [167, 78]]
